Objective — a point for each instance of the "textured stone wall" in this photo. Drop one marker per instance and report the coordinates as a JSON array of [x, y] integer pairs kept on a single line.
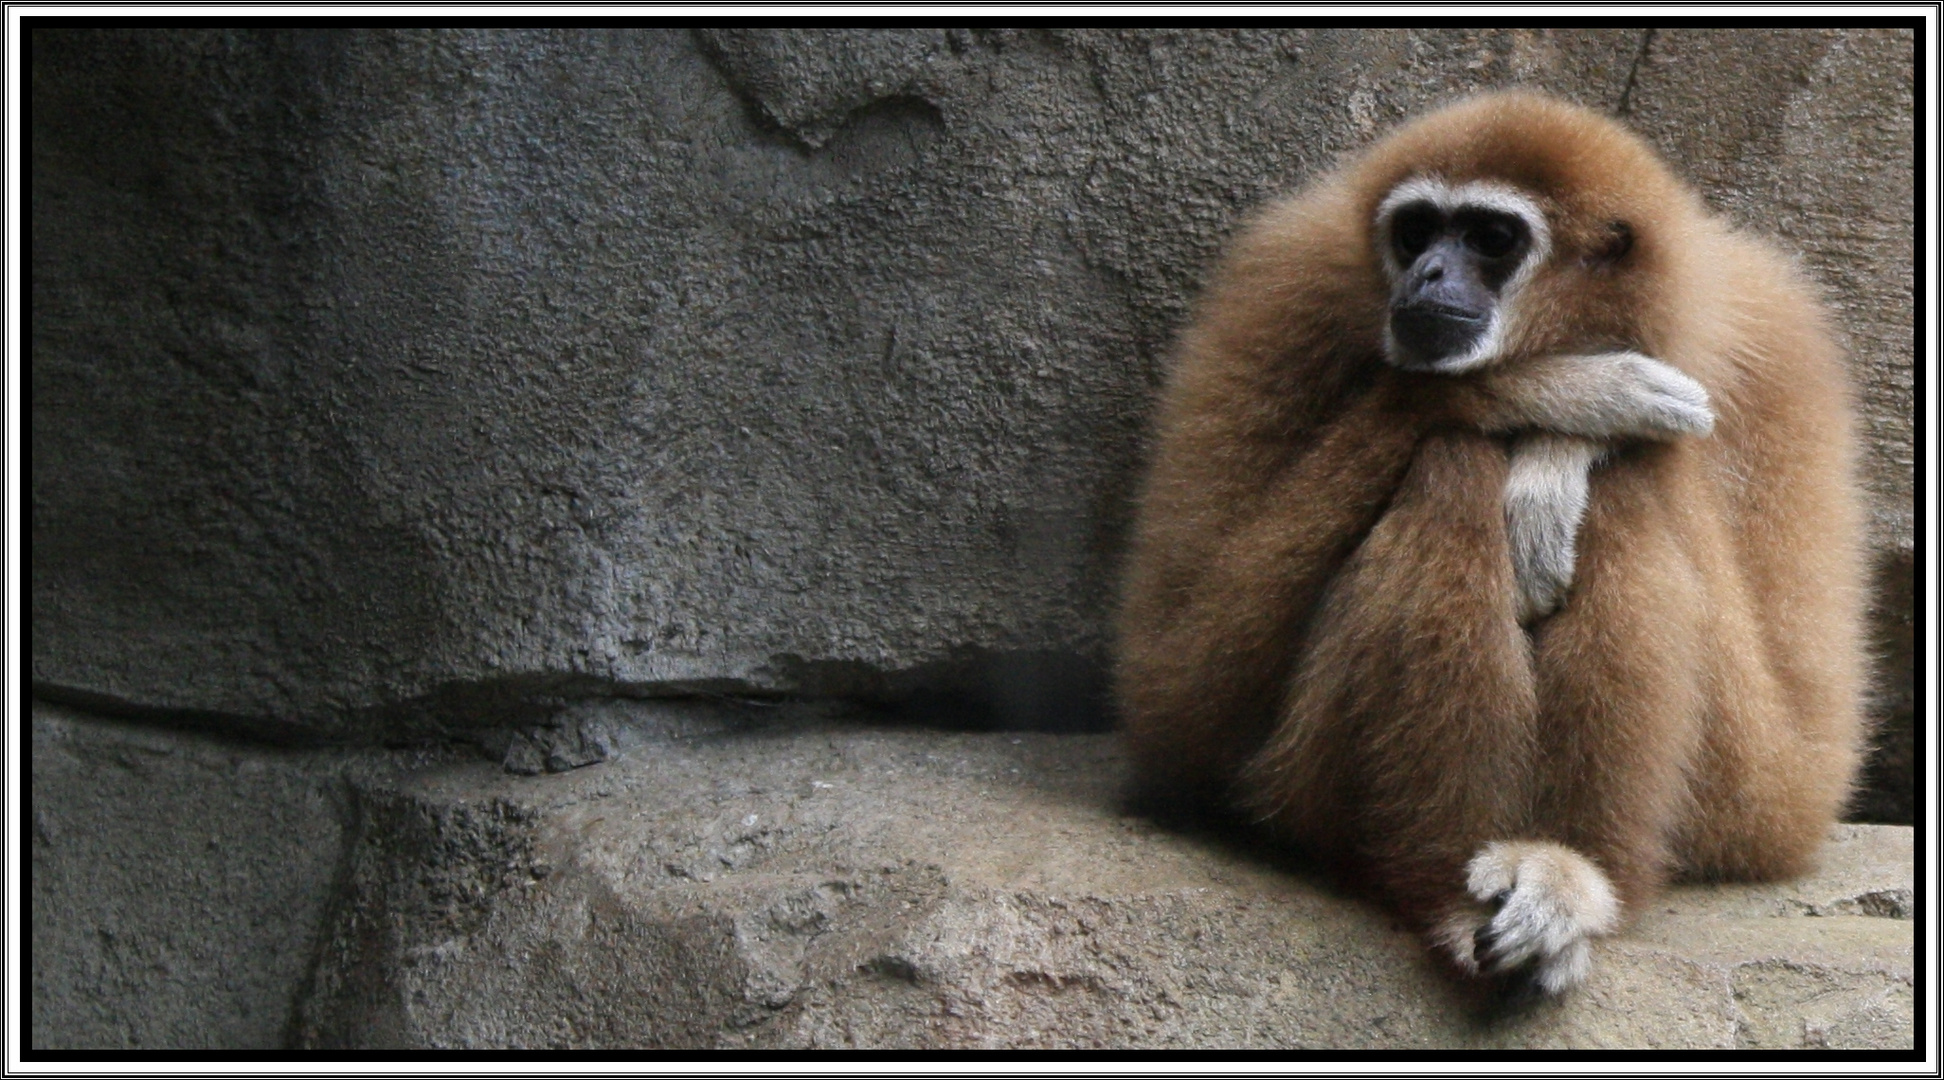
[[379, 370]]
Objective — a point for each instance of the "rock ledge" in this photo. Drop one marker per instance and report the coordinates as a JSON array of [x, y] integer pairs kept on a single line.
[[791, 878]]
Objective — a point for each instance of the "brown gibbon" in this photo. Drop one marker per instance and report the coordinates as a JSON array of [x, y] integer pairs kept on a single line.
[[1499, 546]]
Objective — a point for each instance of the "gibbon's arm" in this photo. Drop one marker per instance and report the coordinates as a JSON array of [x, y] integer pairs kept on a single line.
[[1219, 592], [1567, 409], [1218, 597], [1611, 395]]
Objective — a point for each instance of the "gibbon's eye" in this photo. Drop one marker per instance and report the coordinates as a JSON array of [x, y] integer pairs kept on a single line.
[[1412, 230], [1494, 237]]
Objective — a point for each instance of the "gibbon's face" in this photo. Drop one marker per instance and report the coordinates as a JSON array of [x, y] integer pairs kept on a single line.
[[1456, 257]]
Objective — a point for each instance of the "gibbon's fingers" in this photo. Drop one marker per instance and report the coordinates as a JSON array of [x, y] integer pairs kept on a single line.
[[1549, 900], [1545, 499]]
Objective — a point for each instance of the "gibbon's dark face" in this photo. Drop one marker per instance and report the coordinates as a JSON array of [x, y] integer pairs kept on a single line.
[[1455, 257], [1455, 269]]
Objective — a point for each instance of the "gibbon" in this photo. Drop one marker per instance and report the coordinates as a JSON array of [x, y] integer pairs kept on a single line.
[[1499, 546]]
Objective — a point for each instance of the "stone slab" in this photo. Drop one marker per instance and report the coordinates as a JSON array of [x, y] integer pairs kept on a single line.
[[793, 878], [803, 881]]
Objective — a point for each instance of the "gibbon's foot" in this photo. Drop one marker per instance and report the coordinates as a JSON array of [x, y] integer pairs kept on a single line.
[[1546, 902]]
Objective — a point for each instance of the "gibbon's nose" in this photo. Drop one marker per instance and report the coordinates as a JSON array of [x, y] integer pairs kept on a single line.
[[1444, 279]]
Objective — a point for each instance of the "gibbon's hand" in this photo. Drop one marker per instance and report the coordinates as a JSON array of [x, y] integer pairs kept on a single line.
[[1545, 500]]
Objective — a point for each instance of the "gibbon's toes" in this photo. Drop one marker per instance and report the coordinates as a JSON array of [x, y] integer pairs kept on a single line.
[[1548, 900]]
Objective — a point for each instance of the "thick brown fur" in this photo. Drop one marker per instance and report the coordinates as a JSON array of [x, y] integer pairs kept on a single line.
[[1317, 622]]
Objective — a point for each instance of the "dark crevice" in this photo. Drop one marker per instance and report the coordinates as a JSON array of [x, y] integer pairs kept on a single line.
[[1633, 73], [235, 726], [969, 690], [347, 807], [1888, 790]]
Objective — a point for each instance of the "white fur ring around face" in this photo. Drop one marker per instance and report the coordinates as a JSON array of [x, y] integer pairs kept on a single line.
[[1549, 901]]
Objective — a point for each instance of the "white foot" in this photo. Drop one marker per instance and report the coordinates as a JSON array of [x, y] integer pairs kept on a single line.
[[1549, 900]]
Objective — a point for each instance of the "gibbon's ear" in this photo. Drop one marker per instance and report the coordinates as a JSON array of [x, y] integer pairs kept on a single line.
[[1619, 244]]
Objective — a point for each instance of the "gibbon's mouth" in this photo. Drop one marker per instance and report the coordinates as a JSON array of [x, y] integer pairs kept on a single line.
[[1428, 333]]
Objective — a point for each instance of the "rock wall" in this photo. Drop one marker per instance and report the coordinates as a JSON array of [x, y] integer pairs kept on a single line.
[[383, 375]]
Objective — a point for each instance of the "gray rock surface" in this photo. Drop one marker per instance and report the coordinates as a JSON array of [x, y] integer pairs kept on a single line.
[[386, 376], [178, 884], [791, 878]]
